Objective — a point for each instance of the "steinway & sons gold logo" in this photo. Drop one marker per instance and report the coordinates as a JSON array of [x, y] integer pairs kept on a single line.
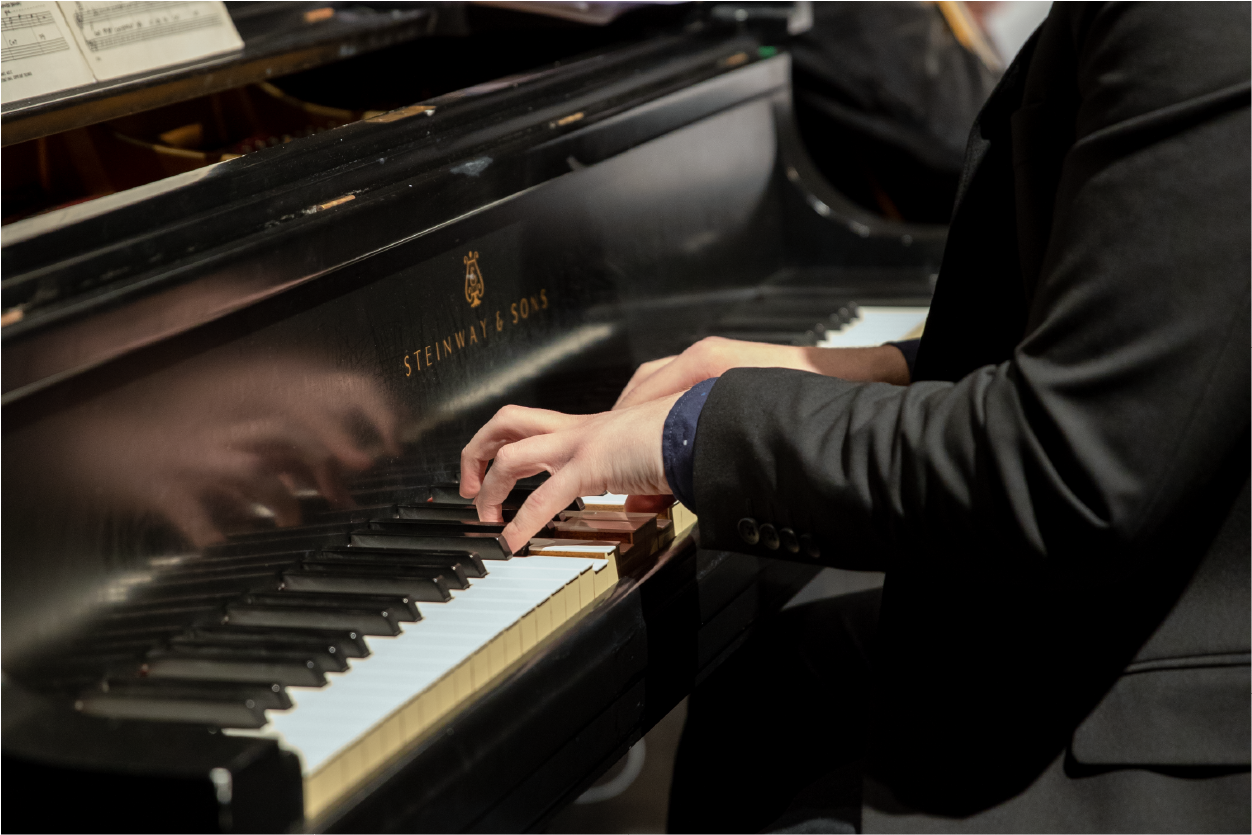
[[473, 280], [476, 333]]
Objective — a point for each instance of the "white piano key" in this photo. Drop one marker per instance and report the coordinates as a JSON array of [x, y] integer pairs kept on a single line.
[[325, 720], [876, 325]]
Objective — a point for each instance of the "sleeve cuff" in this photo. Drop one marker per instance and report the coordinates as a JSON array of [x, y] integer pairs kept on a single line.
[[678, 441], [908, 347]]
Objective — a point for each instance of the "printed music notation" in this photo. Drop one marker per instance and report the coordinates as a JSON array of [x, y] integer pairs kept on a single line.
[[117, 24], [37, 54], [48, 46], [33, 33], [120, 39]]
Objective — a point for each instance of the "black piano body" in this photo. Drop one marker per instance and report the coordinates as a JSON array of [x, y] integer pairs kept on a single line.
[[528, 240]]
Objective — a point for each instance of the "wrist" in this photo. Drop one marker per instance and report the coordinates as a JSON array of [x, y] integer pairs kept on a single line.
[[879, 364], [678, 440]]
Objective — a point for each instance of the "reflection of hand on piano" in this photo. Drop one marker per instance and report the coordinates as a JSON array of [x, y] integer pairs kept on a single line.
[[715, 355], [616, 452], [249, 441]]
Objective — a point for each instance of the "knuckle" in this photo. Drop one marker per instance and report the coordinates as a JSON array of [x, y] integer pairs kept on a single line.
[[506, 456], [705, 346]]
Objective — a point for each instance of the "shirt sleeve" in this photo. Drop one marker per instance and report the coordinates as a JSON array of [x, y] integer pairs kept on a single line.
[[908, 347], [678, 441]]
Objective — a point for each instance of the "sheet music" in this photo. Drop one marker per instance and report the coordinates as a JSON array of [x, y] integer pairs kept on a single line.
[[37, 53], [120, 39]]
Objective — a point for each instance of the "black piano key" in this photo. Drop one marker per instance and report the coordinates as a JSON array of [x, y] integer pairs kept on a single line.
[[437, 512], [462, 561], [209, 585], [429, 589], [277, 560], [142, 618], [325, 656], [368, 614], [485, 546], [345, 643], [296, 541], [270, 696], [451, 494], [451, 574], [402, 608], [455, 527], [287, 670], [234, 713], [300, 532], [356, 514]]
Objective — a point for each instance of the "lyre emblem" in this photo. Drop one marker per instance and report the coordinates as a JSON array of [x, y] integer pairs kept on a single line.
[[473, 280]]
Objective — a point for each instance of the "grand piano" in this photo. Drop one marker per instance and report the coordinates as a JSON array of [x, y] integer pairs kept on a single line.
[[240, 590]]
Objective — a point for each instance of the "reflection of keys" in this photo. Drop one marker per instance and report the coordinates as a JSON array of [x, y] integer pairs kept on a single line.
[[630, 529], [598, 549]]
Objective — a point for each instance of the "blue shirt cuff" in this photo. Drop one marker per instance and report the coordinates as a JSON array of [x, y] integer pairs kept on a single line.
[[678, 442], [908, 347]]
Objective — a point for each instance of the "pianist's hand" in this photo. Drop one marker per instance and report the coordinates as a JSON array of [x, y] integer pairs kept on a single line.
[[715, 355], [616, 452]]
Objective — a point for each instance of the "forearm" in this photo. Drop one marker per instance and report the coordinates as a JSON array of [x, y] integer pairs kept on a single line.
[[880, 364]]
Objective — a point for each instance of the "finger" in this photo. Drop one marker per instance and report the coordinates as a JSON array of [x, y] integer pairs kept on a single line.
[[298, 452], [330, 484], [253, 476], [377, 413], [187, 513], [684, 372], [527, 457], [337, 439], [642, 373], [510, 424], [553, 496]]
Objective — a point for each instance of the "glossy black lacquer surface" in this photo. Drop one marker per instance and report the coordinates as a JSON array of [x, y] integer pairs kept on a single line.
[[239, 356]]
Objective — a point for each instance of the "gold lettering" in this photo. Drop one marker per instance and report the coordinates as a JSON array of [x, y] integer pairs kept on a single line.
[[437, 350], [513, 310], [460, 338], [534, 303], [428, 356], [408, 369], [474, 335], [483, 322], [447, 346], [525, 308], [499, 322], [543, 296]]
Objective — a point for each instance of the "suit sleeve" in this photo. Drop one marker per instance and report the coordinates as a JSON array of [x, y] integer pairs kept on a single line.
[[1128, 391]]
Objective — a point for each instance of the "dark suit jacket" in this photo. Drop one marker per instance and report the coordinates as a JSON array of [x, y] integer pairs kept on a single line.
[[1073, 455]]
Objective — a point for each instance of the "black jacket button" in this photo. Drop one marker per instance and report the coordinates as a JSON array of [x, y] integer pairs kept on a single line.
[[810, 547], [748, 531], [769, 537], [788, 539]]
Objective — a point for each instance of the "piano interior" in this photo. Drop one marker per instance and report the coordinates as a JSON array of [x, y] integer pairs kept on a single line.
[[253, 309]]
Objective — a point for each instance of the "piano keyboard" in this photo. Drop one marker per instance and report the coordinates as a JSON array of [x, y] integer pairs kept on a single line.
[[349, 638], [876, 325], [361, 718], [789, 320]]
